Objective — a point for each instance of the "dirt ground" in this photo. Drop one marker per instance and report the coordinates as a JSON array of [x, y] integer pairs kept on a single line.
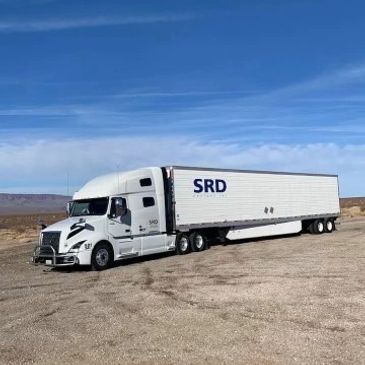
[[288, 300]]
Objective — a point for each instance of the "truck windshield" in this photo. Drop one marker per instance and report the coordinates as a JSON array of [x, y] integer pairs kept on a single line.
[[97, 206]]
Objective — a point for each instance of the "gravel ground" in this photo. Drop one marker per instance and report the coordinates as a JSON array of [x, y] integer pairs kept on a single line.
[[275, 301]]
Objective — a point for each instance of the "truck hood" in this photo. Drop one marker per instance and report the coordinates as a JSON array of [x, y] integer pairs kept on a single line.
[[76, 229]]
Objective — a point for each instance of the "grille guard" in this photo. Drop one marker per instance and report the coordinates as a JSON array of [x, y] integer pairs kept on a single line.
[[37, 255]]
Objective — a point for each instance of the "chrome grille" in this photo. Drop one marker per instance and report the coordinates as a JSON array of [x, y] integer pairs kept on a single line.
[[51, 239]]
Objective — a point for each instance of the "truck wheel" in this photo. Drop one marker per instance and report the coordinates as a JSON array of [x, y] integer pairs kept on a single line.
[[183, 244], [101, 257], [311, 228], [198, 242], [318, 226], [329, 226]]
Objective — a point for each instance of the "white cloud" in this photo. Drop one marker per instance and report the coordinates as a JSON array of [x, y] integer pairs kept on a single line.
[[64, 110], [26, 2], [87, 22], [319, 104], [172, 94], [329, 81], [46, 163]]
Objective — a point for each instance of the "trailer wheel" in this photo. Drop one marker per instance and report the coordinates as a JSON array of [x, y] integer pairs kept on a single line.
[[198, 242], [329, 225], [101, 257], [183, 245], [318, 226]]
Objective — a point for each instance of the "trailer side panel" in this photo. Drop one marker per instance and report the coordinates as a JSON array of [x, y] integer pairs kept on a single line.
[[233, 198]]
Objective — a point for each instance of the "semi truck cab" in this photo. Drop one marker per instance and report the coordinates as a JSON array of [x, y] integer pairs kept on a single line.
[[112, 217]]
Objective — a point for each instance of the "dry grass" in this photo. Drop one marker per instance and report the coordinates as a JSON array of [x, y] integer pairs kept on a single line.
[[355, 211], [352, 207], [25, 227], [23, 222]]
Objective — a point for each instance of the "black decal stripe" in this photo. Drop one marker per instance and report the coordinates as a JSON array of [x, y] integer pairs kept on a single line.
[[75, 232]]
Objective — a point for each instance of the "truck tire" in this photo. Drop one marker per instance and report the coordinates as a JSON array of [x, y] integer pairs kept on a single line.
[[183, 245], [102, 257], [329, 225], [311, 228], [198, 242], [318, 226]]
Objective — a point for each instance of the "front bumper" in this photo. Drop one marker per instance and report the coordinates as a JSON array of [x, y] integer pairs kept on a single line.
[[48, 256]]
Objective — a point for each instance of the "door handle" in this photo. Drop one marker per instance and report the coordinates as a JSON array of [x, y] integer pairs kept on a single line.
[[127, 230]]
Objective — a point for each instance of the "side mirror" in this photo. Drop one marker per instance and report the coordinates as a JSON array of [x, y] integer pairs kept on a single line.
[[41, 224], [68, 208], [121, 206], [118, 208]]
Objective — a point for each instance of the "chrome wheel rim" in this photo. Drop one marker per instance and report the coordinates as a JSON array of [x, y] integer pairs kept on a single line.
[[320, 227], [184, 244], [102, 257], [329, 226], [199, 242]]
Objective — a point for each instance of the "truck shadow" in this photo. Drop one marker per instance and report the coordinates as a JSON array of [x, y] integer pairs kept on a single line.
[[124, 262], [257, 239], [158, 256], [140, 259]]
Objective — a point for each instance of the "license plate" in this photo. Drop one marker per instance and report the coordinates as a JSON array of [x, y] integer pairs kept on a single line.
[[48, 262]]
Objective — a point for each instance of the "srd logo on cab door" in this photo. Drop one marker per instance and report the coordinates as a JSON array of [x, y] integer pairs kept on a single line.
[[209, 186]]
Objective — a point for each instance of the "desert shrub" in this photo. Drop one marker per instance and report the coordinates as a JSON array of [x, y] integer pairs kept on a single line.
[[20, 229]]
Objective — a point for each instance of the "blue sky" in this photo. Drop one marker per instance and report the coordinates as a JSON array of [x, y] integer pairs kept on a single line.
[[89, 87]]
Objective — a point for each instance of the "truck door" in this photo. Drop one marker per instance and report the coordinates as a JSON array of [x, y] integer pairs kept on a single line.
[[120, 228], [146, 223]]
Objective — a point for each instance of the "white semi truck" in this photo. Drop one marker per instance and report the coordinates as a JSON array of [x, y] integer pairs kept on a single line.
[[182, 209]]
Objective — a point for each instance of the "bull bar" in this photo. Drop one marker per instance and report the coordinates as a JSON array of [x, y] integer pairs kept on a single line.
[[44, 258]]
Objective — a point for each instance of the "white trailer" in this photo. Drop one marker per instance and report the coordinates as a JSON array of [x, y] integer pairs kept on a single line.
[[182, 209]]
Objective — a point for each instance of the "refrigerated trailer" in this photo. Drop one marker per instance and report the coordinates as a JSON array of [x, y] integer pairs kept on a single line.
[[183, 209]]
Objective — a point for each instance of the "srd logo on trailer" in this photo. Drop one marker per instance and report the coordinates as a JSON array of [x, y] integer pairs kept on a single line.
[[209, 186]]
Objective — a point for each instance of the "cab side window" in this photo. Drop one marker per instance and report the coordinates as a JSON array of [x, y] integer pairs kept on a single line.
[[145, 182], [148, 202]]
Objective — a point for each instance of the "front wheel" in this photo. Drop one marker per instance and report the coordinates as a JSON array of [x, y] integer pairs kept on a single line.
[[101, 257]]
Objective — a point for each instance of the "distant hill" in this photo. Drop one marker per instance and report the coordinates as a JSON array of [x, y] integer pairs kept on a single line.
[[32, 203], [352, 202], [52, 203]]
